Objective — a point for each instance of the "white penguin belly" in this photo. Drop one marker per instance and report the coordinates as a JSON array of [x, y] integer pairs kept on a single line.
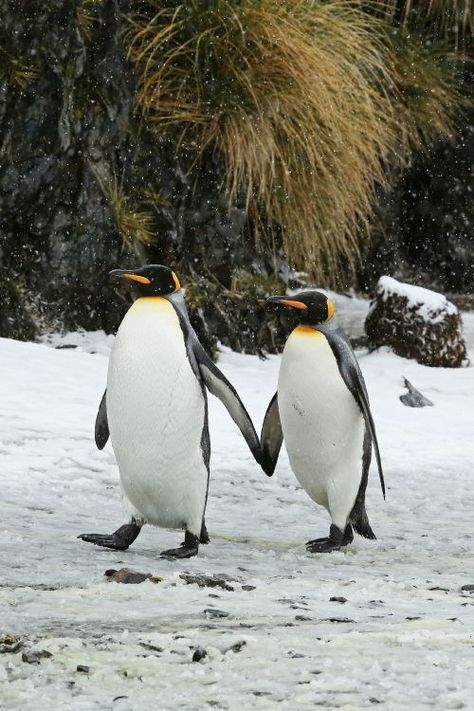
[[156, 411], [322, 424]]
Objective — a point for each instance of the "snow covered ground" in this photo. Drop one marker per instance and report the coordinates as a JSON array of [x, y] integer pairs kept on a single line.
[[383, 624]]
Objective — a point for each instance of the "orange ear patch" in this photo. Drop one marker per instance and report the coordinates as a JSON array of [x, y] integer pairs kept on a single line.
[[330, 309], [137, 277]]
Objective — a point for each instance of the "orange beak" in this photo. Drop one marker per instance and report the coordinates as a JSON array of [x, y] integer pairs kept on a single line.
[[137, 277], [287, 302]]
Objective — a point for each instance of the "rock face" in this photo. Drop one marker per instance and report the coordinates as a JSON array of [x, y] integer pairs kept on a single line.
[[81, 175], [416, 323]]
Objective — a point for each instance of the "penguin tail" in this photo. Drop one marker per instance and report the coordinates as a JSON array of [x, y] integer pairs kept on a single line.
[[362, 525]]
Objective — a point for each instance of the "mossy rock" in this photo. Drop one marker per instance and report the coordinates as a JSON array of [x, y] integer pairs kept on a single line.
[[15, 320], [416, 323], [238, 317]]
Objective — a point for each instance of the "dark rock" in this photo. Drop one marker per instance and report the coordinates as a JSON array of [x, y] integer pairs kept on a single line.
[[151, 647], [199, 653], [10, 643], [83, 668], [208, 581], [236, 647], [214, 614], [34, 657], [338, 598], [303, 618], [416, 323], [339, 620], [248, 588], [15, 318], [413, 398], [467, 588], [124, 575]]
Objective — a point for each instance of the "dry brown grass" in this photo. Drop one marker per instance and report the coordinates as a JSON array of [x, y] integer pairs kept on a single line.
[[301, 102], [133, 225]]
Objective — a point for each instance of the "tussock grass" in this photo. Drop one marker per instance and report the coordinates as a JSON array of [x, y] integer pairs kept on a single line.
[[133, 225], [302, 102], [19, 73]]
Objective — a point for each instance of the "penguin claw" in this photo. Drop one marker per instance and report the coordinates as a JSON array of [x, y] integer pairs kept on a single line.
[[315, 541], [105, 541], [181, 552], [187, 549], [119, 540], [322, 545]]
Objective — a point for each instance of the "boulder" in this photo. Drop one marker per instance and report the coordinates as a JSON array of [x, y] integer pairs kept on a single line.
[[416, 323]]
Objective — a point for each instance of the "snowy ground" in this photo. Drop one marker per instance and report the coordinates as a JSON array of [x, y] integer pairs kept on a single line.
[[400, 635]]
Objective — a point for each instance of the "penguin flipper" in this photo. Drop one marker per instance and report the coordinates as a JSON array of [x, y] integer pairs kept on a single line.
[[218, 385], [353, 378], [272, 437], [101, 424]]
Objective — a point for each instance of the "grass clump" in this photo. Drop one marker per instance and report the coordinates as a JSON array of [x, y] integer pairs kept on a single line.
[[135, 226], [302, 103]]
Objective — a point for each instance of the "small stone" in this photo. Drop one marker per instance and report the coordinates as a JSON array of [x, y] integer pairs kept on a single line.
[[338, 598], [83, 668], [30, 658], [199, 653], [303, 618], [340, 620], [214, 613], [10, 643], [207, 581], [248, 588], [467, 588], [413, 398], [236, 647], [131, 577]]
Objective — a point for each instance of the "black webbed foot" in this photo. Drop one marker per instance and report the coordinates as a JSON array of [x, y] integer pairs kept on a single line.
[[120, 540], [334, 542], [187, 549]]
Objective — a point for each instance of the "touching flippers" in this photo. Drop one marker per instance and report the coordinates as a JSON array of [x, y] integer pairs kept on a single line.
[[218, 385]]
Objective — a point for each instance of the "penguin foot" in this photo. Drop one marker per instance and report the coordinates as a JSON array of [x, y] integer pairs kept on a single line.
[[322, 545], [334, 542], [204, 537], [119, 540], [187, 549]]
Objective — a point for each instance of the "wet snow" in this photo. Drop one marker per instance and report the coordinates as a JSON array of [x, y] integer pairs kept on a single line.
[[403, 638]]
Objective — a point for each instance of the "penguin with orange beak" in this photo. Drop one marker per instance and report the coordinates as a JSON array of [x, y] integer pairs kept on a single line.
[[155, 411], [322, 411]]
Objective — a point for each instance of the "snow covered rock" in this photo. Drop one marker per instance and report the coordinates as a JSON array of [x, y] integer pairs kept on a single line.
[[416, 323]]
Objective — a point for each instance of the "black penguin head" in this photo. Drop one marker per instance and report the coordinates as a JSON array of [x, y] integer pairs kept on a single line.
[[152, 280], [313, 306]]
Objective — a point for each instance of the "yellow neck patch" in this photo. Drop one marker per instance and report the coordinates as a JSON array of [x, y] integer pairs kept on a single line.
[[303, 330]]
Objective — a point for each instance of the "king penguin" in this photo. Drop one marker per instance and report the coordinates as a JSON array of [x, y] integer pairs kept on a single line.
[[322, 411], [155, 410]]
